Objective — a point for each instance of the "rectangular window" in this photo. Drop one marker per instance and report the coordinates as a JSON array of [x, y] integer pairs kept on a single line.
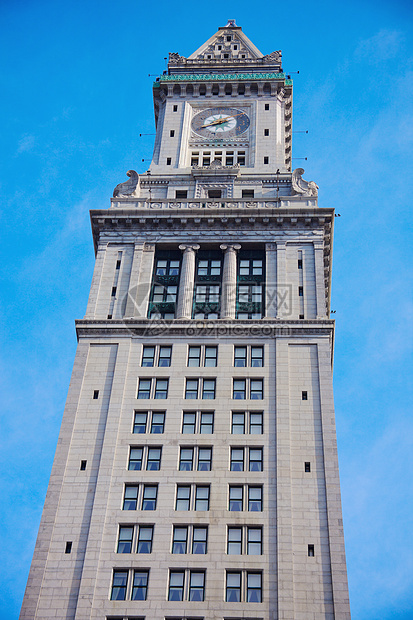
[[140, 585], [214, 193], [304, 395], [158, 422], [266, 132], [191, 389], [254, 499], [151, 456], [176, 586], [254, 541], [148, 356], [254, 588], [234, 542], [144, 389], [241, 158], [197, 422], [247, 193], [161, 388], [114, 291], [175, 108], [206, 426], [139, 425], [300, 291], [266, 106], [180, 539], [130, 499], [255, 459], [167, 267], [239, 389], [181, 194], [195, 583], [135, 459], [125, 539], [256, 425], [183, 497], [172, 133], [154, 459], [119, 584], [233, 587], [300, 263], [194, 356], [204, 459], [168, 161], [188, 422], [238, 423], [202, 356], [247, 422], [186, 459], [310, 551], [208, 389], [307, 467], [165, 354], [196, 586], [209, 267], [202, 498], [199, 540], [145, 537], [266, 160], [240, 356], [257, 356], [237, 459], [150, 493], [235, 499], [211, 354], [256, 389]]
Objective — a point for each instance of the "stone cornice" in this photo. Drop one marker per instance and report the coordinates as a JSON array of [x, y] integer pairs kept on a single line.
[[270, 328]]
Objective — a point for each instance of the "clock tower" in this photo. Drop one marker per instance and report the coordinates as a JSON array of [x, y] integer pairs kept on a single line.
[[196, 473]]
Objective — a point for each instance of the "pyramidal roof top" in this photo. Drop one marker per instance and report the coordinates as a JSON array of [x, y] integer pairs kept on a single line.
[[228, 49]]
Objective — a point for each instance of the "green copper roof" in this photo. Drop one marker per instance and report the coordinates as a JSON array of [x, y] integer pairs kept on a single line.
[[207, 77]]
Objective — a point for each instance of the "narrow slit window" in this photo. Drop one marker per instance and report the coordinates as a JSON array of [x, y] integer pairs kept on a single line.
[[266, 160], [95, 394], [168, 161], [172, 133], [68, 548], [83, 465], [310, 551], [307, 467], [175, 108], [266, 132], [113, 291], [304, 395]]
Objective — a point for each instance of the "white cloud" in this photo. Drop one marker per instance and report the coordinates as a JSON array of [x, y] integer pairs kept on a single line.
[[384, 45], [26, 144]]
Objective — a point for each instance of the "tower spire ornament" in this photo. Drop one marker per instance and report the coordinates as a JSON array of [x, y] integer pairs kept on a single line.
[[196, 471]]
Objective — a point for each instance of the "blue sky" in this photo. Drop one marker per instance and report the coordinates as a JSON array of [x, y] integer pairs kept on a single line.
[[76, 95]]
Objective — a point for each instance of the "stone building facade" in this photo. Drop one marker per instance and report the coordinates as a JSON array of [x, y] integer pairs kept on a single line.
[[196, 473]]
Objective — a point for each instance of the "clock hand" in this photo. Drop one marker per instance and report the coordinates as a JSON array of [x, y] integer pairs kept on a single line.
[[219, 121]]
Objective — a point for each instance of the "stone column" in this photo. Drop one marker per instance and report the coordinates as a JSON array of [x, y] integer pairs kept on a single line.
[[186, 282], [320, 293], [284, 292], [270, 281], [229, 281]]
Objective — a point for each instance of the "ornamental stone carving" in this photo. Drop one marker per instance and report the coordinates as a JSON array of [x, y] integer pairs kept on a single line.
[[128, 188], [302, 187]]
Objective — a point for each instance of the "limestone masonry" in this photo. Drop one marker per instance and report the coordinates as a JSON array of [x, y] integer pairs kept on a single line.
[[196, 473]]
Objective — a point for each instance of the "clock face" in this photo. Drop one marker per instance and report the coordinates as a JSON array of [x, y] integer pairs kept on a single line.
[[220, 123]]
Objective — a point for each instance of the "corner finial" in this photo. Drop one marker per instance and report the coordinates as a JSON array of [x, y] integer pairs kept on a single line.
[[231, 24]]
